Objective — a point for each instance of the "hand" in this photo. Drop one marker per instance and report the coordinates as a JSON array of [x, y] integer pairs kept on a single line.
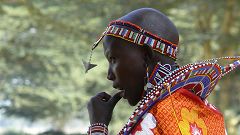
[[100, 107]]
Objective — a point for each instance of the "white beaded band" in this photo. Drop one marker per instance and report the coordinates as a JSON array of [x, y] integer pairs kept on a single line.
[[98, 129]]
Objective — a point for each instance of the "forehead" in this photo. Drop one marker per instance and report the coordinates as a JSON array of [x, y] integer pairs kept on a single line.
[[113, 44], [124, 51]]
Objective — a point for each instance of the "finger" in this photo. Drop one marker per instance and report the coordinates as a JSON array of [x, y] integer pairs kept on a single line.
[[103, 96], [115, 98]]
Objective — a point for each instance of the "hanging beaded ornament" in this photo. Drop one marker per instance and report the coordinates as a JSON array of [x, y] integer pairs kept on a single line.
[[159, 72]]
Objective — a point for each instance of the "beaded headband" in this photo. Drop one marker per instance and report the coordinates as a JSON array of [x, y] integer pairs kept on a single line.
[[135, 34]]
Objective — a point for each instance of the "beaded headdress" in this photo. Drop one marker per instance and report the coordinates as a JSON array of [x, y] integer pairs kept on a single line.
[[135, 34]]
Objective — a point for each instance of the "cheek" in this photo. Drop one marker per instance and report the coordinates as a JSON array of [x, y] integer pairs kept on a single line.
[[131, 73], [136, 69], [120, 71]]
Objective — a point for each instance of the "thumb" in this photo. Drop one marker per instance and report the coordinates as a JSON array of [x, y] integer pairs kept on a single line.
[[115, 98]]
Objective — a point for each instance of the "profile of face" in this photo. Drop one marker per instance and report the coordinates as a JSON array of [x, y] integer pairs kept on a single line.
[[127, 67]]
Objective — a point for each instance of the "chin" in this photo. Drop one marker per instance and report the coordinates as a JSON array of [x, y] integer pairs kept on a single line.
[[133, 102]]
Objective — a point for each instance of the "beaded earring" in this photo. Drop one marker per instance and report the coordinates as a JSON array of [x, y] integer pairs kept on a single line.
[[159, 72], [146, 79]]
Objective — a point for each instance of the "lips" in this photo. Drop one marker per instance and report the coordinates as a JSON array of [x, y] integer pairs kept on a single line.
[[123, 93]]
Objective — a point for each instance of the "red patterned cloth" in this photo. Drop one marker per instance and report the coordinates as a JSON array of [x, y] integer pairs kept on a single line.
[[181, 113]]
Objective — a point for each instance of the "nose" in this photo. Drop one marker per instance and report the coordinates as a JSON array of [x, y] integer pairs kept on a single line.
[[110, 75]]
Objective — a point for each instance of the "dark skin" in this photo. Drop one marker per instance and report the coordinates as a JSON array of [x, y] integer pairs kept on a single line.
[[127, 69], [128, 63]]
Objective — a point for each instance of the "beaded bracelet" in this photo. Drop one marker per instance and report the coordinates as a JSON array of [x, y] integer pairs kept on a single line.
[[98, 129]]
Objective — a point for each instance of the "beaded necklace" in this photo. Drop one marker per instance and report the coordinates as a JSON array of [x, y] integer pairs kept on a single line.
[[189, 77]]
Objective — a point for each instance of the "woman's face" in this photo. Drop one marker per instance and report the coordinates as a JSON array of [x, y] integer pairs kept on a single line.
[[127, 67]]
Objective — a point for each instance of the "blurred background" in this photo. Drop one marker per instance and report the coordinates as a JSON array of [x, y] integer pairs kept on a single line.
[[43, 87]]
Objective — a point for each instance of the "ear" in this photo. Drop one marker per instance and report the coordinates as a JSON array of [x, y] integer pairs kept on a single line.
[[148, 53]]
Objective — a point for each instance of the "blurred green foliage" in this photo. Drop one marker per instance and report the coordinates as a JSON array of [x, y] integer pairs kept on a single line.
[[42, 44]]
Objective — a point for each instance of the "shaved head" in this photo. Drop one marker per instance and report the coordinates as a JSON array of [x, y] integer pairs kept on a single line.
[[157, 23]]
